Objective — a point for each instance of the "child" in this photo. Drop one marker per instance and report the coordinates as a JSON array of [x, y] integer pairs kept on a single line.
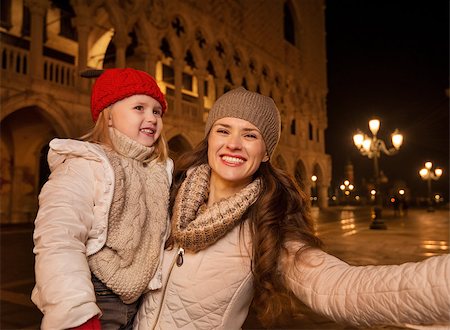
[[102, 220]]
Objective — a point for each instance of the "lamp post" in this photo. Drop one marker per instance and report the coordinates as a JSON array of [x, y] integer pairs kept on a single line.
[[346, 188], [426, 174], [314, 190], [373, 147]]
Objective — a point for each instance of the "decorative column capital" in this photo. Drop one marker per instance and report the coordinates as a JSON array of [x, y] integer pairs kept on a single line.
[[121, 40], [38, 7], [201, 73]]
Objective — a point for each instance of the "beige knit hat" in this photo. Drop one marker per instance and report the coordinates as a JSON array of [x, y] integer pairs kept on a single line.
[[255, 108]]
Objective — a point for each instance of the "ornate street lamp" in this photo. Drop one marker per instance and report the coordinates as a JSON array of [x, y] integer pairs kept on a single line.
[[346, 188], [372, 147], [428, 175], [314, 189]]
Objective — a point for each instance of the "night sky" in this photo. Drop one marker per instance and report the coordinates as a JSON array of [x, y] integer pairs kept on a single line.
[[389, 59]]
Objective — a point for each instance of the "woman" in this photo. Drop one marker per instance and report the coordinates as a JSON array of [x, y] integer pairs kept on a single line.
[[241, 230]]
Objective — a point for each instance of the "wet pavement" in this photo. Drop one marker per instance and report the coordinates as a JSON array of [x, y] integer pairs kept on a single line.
[[344, 230]]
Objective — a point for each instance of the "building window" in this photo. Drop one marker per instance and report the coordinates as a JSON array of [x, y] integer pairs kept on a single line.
[[293, 127], [201, 41], [168, 74], [165, 48], [310, 131], [210, 69], [289, 24], [178, 27], [5, 14], [237, 59], [187, 82], [252, 66], [228, 77], [206, 88], [26, 22], [66, 15], [244, 83], [189, 59], [265, 73], [220, 50]]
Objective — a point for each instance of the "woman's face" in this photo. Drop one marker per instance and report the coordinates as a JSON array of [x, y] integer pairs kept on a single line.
[[139, 117], [235, 151]]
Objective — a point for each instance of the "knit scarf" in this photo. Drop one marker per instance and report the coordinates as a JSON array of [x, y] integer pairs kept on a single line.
[[137, 220], [196, 227]]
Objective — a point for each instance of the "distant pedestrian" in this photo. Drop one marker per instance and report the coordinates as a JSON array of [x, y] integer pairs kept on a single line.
[[404, 206], [242, 232], [102, 219], [396, 205]]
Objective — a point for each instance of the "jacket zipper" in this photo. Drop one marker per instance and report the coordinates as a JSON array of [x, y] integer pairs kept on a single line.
[[178, 260]]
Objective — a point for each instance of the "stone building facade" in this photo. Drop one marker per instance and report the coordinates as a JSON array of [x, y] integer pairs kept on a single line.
[[196, 49]]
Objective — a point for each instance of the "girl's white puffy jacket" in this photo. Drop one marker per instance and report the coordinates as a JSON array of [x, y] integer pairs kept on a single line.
[[213, 289], [72, 224]]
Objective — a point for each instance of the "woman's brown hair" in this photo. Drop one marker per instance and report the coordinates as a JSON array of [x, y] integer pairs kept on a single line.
[[280, 214]]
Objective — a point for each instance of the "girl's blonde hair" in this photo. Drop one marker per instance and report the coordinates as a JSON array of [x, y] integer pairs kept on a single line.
[[100, 135]]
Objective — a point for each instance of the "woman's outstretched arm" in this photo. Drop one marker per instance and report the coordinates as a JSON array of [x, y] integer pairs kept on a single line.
[[415, 293]]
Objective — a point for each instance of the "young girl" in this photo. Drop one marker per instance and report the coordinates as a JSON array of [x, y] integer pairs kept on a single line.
[[102, 220]]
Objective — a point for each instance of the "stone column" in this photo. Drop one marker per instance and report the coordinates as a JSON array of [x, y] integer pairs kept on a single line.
[[220, 85], [37, 11], [152, 60], [322, 195], [121, 41], [178, 66], [83, 23], [147, 59], [201, 75], [83, 28]]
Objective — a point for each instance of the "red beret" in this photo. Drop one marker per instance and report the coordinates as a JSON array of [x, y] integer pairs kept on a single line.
[[116, 84]]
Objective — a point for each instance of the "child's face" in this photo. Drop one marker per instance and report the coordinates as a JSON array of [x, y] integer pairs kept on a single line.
[[138, 117]]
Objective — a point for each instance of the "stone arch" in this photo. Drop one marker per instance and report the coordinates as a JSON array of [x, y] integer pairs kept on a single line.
[[280, 163], [98, 49], [220, 63], [300, 175], [201, 51], [50, 108], [178, 145], [28, 130], [238, 71], [176, 46], [190, 54], [197, 53], [291, 13], [124, 15], [99, 38], [148, 33]]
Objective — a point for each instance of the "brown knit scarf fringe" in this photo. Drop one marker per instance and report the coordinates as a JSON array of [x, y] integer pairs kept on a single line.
[[194, 230]]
